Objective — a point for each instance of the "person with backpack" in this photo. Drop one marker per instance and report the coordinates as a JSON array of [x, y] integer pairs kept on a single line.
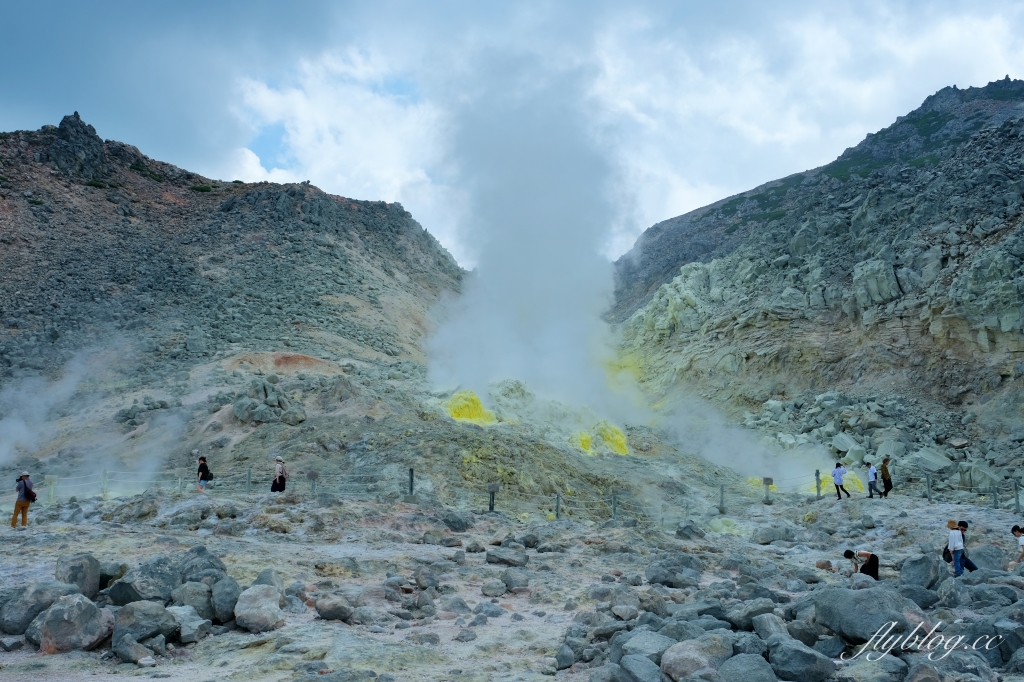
[[203, 475], [280, 476], [886, 478], [837, 478], [26, 496]]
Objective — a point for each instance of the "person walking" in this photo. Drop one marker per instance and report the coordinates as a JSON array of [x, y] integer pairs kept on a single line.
[[837, 478], [1018, 533], [203, 475], [280, 476], [863, 562], [873, 481], [965, 561], [886, 478], [955, 545], [26, 496]]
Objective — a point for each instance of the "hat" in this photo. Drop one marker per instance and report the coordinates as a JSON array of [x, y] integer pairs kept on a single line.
[[279, 459], [25, 473]]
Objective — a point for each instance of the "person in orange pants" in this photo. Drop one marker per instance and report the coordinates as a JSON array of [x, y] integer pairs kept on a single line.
[[25, 497]]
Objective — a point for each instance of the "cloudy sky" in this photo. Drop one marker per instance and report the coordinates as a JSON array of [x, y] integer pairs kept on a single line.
[[671, 105]]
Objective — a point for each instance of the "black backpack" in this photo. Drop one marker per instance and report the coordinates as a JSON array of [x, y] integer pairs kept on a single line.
[[30, 494]]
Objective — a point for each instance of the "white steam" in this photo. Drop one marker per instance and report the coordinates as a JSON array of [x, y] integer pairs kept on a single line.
[[26, 408], [539, 214]]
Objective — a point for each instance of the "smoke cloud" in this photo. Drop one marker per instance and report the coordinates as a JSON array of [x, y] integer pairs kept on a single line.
[[538, 211]]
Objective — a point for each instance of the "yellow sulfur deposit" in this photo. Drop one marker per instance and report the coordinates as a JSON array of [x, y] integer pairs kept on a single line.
[[465, 406], [613, 437], [723, 524], [581, 440], [758, 482]]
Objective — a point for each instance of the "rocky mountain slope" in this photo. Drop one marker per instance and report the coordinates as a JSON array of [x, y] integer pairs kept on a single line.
[[893, 275]]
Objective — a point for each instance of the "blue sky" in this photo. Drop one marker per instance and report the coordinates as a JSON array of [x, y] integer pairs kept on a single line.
[[680, 103]]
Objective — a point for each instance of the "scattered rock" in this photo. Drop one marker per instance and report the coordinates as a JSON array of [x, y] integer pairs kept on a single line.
[[24, 606], [258, 610], [82, 570], [72, 622]]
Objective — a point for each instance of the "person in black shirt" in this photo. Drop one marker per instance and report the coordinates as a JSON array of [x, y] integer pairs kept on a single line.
[[203, 475], [863, 562]]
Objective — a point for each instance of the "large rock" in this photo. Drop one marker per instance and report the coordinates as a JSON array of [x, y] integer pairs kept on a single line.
[[192, 563], [82, 570], [742, 615], [885, 669], [269, 576], [794, 660], [335, 607], [648, 644], [142, 620], [130, 651], [663, 571], [154, 580], [196, 595], [856, 615], [191, 626], [921, 570], [765, 535], [989, 556], [509, 557], [768, 624], [920, 596], [223, 598], [258, 610], [746, 668], [685, 658], [636, 668], [72, 622], [18, 613], [953, 593]]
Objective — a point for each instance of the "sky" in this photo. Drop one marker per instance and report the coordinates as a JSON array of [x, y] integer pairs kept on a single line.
[[674, 104]]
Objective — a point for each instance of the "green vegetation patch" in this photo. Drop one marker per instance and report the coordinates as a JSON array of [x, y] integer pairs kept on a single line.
[[36, 202], [146, 173], [931, 123], [201, 188], [96, 183], [238, 182]]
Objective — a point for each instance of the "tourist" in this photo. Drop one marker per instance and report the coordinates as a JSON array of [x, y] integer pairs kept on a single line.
[[280, 476], [1019, 534], [837, 478], [25, 497], [955, 545], [203, 475], [872, 481], [863, 562], [965, 561], [886, 478]]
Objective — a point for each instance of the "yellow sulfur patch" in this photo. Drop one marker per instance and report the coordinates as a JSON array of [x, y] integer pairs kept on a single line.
[[613, 437], [465, 406], [581, 440], [757, 482], [723, 524]]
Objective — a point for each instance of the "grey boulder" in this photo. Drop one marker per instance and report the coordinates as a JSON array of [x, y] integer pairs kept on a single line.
[[269, 576], [197, 560], [685, 658], [223, 597], [509, 557], [856, 615], [794, 660], [742, 615], [258, 609], [648, 644], [196, 595], [82, 570], [989, 556], [154, 580], [191, 626], [765, 535], [746, 668], [72, 622], [18, 613], [129, 650], [334, 607], [142, 620], [919, 595], [921, 570], [953, 593], [768, 624], [636, 668]]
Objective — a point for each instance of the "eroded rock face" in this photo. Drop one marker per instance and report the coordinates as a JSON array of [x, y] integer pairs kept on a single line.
[[142, 620], [82, 570], [154, 580]]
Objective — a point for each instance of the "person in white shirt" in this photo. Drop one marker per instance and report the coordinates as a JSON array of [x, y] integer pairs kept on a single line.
[[956, 547], [873, 480], [1018, 533], [837, 478]]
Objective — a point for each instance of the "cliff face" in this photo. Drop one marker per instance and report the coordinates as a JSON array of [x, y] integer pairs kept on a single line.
[[895, 269], [96, 240]]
